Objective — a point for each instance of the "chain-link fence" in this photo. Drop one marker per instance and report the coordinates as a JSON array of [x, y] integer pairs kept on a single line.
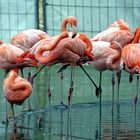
[[93, 15], [15, 16]]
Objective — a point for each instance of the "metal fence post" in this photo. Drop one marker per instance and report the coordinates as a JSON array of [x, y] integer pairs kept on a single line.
[[37, 14], [44, 15]]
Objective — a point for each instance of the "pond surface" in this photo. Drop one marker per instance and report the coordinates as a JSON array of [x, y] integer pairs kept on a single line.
[[82, 121]]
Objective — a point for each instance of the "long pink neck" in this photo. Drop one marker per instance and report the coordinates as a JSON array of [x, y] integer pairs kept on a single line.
[[64, 26], [113, 62], [136, 35]]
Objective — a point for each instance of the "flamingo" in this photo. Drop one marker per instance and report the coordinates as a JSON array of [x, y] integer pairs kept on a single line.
[[62, 50], [8, 57], [120, 32], [131, 58], [107, 56], [26, 39], [16, 89], [8, 60]]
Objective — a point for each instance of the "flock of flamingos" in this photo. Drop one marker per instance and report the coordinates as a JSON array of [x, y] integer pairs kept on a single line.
[[113, 49]]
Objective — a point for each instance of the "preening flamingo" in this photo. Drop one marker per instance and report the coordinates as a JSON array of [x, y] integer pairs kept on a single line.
[[131, 58], [62, 50], [120, 32], [16, 89], [27, 38], [8, 57], [107, 56]]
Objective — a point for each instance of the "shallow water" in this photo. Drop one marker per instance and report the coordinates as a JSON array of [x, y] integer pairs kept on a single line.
[[80, 122]]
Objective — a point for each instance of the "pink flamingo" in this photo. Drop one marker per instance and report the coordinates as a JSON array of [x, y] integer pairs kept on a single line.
[[8, 57], [131, 58], [62, 50], [8, 60], [120, 32], [16, 89], [107, 56], [26, 39]]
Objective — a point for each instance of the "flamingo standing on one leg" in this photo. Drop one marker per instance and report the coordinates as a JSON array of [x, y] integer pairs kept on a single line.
[[107, 56], [16, 89], [131, 58], [120, 32], [26, 39], [62, 50]]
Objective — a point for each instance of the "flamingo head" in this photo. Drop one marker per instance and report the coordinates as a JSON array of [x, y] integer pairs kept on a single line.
[[88, 50], [121, 24], [27, 59], [72, 21]]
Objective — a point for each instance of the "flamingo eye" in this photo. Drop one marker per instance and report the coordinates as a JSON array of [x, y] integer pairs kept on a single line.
[[45, 53]]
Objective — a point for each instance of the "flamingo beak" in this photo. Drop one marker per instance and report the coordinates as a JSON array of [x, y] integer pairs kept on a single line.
[[32, 63], [74, 32]]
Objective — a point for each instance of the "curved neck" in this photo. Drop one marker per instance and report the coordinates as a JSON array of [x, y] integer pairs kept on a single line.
[[124, 27], [72, 22], [113, 61], [64, 25], [136, 35], [86, 40], [39, 54], [13, 75]]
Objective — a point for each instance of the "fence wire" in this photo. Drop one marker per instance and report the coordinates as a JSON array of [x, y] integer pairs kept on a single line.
[[93, 15], [16, 16]]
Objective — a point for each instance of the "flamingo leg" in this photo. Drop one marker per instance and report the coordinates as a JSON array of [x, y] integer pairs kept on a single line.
[[14, 119], [97, 91], [6, 112], [29, 75], [136, 96], [61, 77], [118, 74], [30, 79], [113, 83], [71, 86], [100, 93], [62, 85], [6, 115], [49, 89], [33, 76], [130, 78]]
